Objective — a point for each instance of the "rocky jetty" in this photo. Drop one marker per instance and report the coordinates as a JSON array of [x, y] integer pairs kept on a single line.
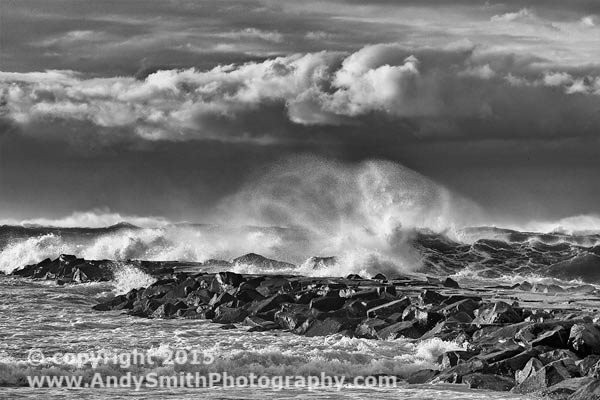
[[67, 269], [509, 347], [525, 338]]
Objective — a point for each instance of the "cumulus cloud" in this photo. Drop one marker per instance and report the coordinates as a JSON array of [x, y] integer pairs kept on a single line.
[[324, 88]]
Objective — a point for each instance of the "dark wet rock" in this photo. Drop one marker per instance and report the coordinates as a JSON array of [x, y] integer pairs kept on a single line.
[[451, 283], [554, 334], [168, 310], [270, 303], [354, 277], [221, 299], [117, 303], [327, 327], [536, 378], [587, 366], [456, 373], [422, 376], [584, 339], [247, 295], [504, 351], [385, 310], [467, 306], [452, 358], [460, 317], [291, 316], [496, 313], [228, 326], [69, 269], [525, 286], [261, 262], [225, 281], [566, 388], [365, 294], [530, 368], [198, 297], [379, 277], [369, 328], [229, 315], [387, 290], [327, 303], [589, 391], [431, 297], [512, 364], [555, 355], [406, 329], [488, 382], [274, 285]]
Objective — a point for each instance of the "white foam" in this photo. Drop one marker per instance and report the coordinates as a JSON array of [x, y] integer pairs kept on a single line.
[[128, 277]]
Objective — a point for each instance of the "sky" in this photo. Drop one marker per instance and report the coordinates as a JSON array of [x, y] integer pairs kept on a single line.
[[172, 108]]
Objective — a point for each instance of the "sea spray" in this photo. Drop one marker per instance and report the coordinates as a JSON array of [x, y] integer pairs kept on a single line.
[[128, 277], [364, 214]]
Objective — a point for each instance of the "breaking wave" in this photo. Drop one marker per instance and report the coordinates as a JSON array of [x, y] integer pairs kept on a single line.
[[370, 217]]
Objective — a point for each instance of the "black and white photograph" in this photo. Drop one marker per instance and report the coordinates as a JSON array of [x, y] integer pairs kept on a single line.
[[318, 199]]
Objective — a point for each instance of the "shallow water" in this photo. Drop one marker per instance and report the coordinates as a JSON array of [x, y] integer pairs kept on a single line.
[[49, 318]]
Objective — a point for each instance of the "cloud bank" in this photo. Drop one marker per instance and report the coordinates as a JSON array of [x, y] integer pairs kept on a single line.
[[446, 86]]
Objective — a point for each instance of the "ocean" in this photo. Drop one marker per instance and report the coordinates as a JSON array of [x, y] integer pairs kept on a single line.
[[41, 316]]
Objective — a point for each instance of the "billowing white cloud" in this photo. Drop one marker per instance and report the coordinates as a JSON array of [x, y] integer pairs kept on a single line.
[[321, 88]]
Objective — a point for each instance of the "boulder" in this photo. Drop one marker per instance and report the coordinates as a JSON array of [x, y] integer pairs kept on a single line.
[[431, 297], [327, 303], [117, 303], [422, 376], [379, 277], [589, 391], [369, 327], [291, 316], [327, 327], [221, 299], [229, 315], [198, 297], [584, 339], [510, 365], [451, 283], [566, 388], [588, 366], [489, 382], [270, 303], [223, 281], [453, 358], [556, 354], [389, 308], [496, 313], [536, 377], [456, 373], [168, 310], [404, 328], [467, 306]]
